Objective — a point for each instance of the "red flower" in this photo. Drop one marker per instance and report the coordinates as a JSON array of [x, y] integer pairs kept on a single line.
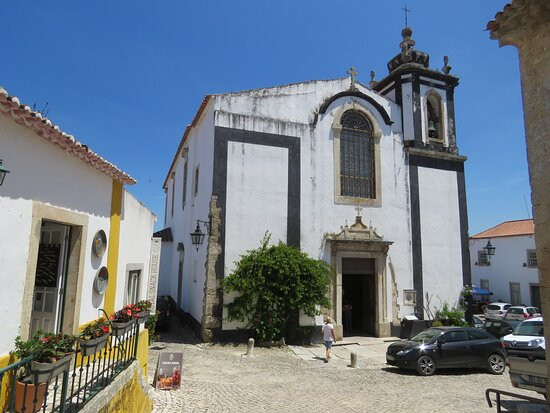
[[105, 329], [112, 317], [129, 312], [44, 339]]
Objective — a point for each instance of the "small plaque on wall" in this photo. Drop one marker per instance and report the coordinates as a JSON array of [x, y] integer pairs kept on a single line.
[[101, 280], [409, 297], [99, 243]]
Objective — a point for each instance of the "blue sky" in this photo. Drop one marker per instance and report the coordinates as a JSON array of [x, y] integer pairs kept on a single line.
[[126, 77]]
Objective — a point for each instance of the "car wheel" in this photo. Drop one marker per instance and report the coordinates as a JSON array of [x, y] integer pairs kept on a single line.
[[496, 364], [425, 366]]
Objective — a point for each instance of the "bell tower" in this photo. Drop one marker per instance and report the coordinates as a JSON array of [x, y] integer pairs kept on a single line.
[[426, 97], [437, 189]]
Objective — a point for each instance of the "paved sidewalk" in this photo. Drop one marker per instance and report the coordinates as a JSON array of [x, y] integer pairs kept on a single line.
[[371, 352]]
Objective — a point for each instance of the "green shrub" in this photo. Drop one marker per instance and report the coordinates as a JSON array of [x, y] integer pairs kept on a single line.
[[454, 316], [273, 283], [151, 325]]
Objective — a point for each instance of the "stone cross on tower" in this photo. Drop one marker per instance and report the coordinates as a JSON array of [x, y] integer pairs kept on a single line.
[[358, 209], [351, 71]]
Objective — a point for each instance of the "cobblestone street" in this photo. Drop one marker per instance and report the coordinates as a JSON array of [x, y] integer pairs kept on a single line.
[[218, 378]]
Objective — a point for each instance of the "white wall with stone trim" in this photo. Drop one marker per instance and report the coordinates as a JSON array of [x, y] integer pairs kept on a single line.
[[44, 175], [199, 152], [507, 265], [290, 111], [440, 231], [136, 230]]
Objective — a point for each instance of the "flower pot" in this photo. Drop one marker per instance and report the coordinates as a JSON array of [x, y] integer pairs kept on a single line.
[[90, 347], [42, 372], [120, 329], [143, 316], [24, 398]]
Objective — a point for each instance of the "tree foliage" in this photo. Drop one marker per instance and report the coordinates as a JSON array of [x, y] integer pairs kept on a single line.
[[273, 283]]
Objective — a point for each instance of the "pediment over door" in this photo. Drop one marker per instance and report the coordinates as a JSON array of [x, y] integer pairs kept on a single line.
[[360, 236]]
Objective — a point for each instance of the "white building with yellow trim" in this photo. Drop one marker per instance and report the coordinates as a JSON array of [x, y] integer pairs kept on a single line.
[[59, 201]]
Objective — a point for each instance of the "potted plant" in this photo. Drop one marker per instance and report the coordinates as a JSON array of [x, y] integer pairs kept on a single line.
[[94, 337], [143, 310], [51, 355], [122, 320]]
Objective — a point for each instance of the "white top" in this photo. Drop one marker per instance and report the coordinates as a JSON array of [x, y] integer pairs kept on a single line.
[[327, 332]]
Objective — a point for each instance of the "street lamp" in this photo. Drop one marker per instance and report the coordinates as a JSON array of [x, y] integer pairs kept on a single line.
[[3, 173], [489, 249], [197, 236]]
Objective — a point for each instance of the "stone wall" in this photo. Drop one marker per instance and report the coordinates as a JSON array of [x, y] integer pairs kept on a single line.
[[525, 24]]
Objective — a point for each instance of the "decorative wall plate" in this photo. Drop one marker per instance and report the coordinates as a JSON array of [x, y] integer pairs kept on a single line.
[[101, 280], [99, 244]]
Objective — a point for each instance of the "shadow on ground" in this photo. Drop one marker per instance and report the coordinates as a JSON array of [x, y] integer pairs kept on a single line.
[[177, 332], [439, 372]]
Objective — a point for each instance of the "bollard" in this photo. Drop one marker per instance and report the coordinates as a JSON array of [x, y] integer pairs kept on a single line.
[[250, 347], [353, 363]]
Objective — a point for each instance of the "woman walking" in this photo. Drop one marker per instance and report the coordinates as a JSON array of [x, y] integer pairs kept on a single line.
[[328, 337]]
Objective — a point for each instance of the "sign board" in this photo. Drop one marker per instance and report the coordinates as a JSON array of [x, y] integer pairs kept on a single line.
[[168, 372], [152, 285]]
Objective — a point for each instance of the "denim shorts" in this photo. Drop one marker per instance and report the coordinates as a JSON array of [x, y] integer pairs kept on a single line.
[[328, 343]]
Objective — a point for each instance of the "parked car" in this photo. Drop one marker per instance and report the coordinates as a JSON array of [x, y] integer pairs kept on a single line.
[[526, 340], [477, 322], [448, 347], [500, 328], [521, 313], [164, 307], [526, 350], [496, 310]]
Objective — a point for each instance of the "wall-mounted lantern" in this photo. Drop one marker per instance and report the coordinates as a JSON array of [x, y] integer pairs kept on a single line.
[[489, 249], [3, 173], [197, 236]]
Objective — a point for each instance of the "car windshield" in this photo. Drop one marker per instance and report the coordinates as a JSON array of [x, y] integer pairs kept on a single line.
[[426, 336], [515, 310], [533, 328], [493, 307]]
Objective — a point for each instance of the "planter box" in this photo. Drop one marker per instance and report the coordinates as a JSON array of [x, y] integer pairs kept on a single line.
[[42, 372], [143, 316], [24, 398], [120, 329], [90, 347]]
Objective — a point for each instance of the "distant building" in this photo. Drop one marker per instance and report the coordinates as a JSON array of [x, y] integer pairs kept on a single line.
[[511, 274], [369, 179], [67, 228]]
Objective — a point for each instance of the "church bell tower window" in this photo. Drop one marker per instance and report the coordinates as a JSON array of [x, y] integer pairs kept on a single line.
[[434, 117], [357, 168]]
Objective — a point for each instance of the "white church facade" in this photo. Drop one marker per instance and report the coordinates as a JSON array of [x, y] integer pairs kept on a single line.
[[368, 179]]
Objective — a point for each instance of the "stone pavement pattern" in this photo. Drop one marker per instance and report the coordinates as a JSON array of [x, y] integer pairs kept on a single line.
[[218, 378]]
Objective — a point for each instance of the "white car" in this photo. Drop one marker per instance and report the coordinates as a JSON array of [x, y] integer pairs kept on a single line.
[[527, 339], [496, 310], [526, 356], [521, 313]]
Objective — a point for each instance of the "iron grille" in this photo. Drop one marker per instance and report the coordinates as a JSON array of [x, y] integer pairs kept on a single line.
[[357, 177]]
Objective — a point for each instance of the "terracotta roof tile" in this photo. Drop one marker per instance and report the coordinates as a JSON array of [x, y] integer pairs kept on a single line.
[[24, 115], [508, 229]]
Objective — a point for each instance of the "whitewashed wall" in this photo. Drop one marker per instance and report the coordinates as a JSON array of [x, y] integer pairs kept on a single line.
[[43, 172], [440, 231], [15, 227], [257, 192], [290, 111], [136, 230], [506, 266], [200, 152]]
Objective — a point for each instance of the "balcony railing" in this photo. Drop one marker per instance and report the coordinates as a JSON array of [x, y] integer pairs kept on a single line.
[[68, 387]]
